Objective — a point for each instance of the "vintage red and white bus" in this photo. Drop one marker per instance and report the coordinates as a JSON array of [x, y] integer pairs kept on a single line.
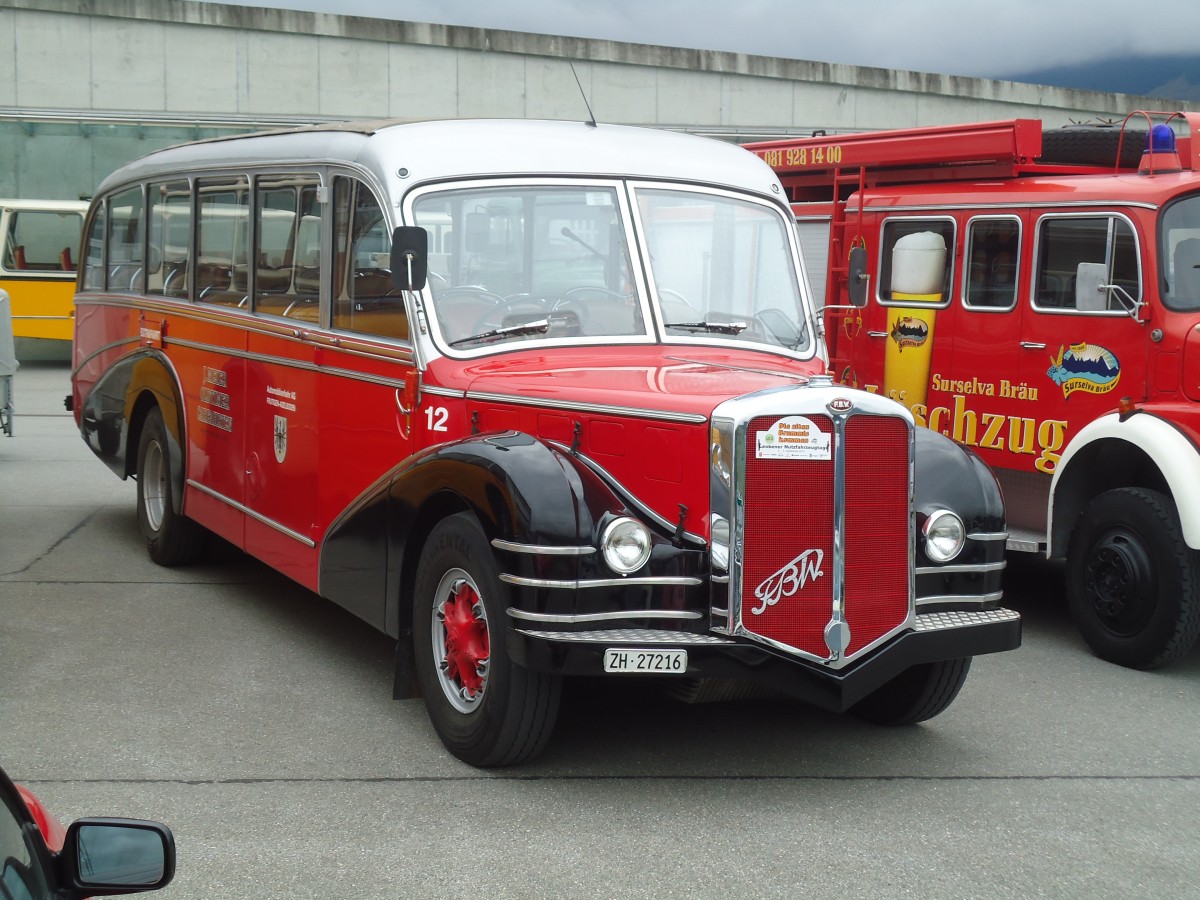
[[537, 399], [1060, 338]]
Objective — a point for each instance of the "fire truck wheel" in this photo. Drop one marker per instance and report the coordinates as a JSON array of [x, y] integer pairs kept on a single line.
[[171, 539], [1133, 585], [916, 694], [487, 710]]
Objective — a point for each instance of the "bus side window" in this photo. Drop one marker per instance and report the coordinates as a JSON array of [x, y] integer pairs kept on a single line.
[[170, 239], [992, 263], [364, 298], [93, 261], [126, 224], [287, 255], [223, 241]]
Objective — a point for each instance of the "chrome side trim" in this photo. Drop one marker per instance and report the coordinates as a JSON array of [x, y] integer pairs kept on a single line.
[[987, 536], [602, 617], [938, 621], [541, 549], [626, 636], [962, 567], [602, 408], [873, 206], [980, 599], [258, 517], [720, 579], [570, 585], [443, 392]]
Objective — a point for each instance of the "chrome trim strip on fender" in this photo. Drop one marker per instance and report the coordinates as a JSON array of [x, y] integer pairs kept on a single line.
[[661, 415], [541, 549], [626, 636], [258, 517], [604, 616], [443, 392], [988, 536], [979, 599], [570, 585], [963, 567]]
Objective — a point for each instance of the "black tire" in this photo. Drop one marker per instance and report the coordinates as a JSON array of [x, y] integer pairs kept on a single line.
[[171, 539], [487, 710], [916, 694], [1132, 582], [1093, 145]]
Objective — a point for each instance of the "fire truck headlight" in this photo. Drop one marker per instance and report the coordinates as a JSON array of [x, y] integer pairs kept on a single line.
[[625, 544], [720, 542], [945, 535]]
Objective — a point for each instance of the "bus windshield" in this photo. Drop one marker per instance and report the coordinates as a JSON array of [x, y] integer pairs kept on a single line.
[[1180, 260], [526, 262]]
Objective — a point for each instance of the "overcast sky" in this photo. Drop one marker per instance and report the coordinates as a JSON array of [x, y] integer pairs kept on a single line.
[[982, 38]]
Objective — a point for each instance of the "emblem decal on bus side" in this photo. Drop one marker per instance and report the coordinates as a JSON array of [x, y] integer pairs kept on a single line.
[[280, 438], [790, 579], [1085, 367]]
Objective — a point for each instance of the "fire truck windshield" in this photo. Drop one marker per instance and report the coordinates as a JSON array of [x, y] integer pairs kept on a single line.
[[1181, 254], [554, 262]]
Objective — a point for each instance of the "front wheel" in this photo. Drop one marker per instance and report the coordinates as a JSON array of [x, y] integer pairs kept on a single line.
[[916, 694], [1132, 581], [487, 710], [172, 539]]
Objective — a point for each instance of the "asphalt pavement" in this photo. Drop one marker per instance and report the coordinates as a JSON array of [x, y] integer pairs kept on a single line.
[[256, 720]]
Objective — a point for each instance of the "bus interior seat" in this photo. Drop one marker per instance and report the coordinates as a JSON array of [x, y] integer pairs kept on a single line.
[[19, 261], [64, 260]]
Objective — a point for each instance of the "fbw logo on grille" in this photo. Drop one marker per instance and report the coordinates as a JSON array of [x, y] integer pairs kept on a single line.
[[790, 579]]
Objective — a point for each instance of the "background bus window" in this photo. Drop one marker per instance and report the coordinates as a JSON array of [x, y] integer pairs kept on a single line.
[[223, 241], [288, 252], [126, 228], [893, 230], [1066, 241], [40, 241], [170, 239], [364, 299], [992, 258]]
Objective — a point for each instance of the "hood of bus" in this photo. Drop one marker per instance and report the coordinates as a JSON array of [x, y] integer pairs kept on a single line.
[[686, 380]]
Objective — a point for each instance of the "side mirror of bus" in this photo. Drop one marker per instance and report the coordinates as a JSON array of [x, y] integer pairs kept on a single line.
[[858, 279], [410, 257]]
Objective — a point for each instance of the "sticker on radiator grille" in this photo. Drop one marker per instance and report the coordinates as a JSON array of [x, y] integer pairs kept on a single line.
[[793, 437]]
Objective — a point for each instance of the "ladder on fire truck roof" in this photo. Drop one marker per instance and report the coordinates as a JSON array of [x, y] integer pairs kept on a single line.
[[825, 170]]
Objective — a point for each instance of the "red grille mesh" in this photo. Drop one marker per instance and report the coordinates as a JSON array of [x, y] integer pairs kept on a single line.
[[789, 510]]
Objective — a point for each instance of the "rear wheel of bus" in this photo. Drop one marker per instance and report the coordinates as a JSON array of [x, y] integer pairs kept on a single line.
[[1132, 581], [487, 710], [171, 539]]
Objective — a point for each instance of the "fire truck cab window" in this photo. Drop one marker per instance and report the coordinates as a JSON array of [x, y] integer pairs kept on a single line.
[[364, 299], [1064, 242], [992, 263], [895, 229], [1181, 254]]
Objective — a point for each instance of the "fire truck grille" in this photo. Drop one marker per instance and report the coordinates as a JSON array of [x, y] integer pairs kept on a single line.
[[788, 554]]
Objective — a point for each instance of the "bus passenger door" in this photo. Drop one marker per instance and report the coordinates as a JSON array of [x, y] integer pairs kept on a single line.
[[282, 400]]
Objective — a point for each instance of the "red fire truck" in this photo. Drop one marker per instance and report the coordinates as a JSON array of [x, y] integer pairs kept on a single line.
[[1052, 325], [536, 399]]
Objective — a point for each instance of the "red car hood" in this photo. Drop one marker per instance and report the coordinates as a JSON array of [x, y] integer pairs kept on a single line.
[[692, 380]]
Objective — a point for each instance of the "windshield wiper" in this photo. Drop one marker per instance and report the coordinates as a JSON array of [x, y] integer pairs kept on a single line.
[[537, 326], [711, 327]]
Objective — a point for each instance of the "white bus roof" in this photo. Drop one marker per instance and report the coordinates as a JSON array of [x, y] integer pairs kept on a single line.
[[467, 148], [44, 205]]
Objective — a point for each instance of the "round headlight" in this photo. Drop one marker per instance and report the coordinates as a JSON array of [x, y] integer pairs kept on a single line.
[[945, 535], [625, 544]]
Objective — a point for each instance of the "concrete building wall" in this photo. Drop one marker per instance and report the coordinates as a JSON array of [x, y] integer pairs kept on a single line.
[[85, 86]]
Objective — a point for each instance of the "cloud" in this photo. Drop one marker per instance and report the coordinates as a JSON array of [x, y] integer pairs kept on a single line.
[[978, 38]]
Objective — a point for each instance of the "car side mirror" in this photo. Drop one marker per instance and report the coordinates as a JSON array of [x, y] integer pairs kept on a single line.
[[410, 257], [117, 856], [858, 279]]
